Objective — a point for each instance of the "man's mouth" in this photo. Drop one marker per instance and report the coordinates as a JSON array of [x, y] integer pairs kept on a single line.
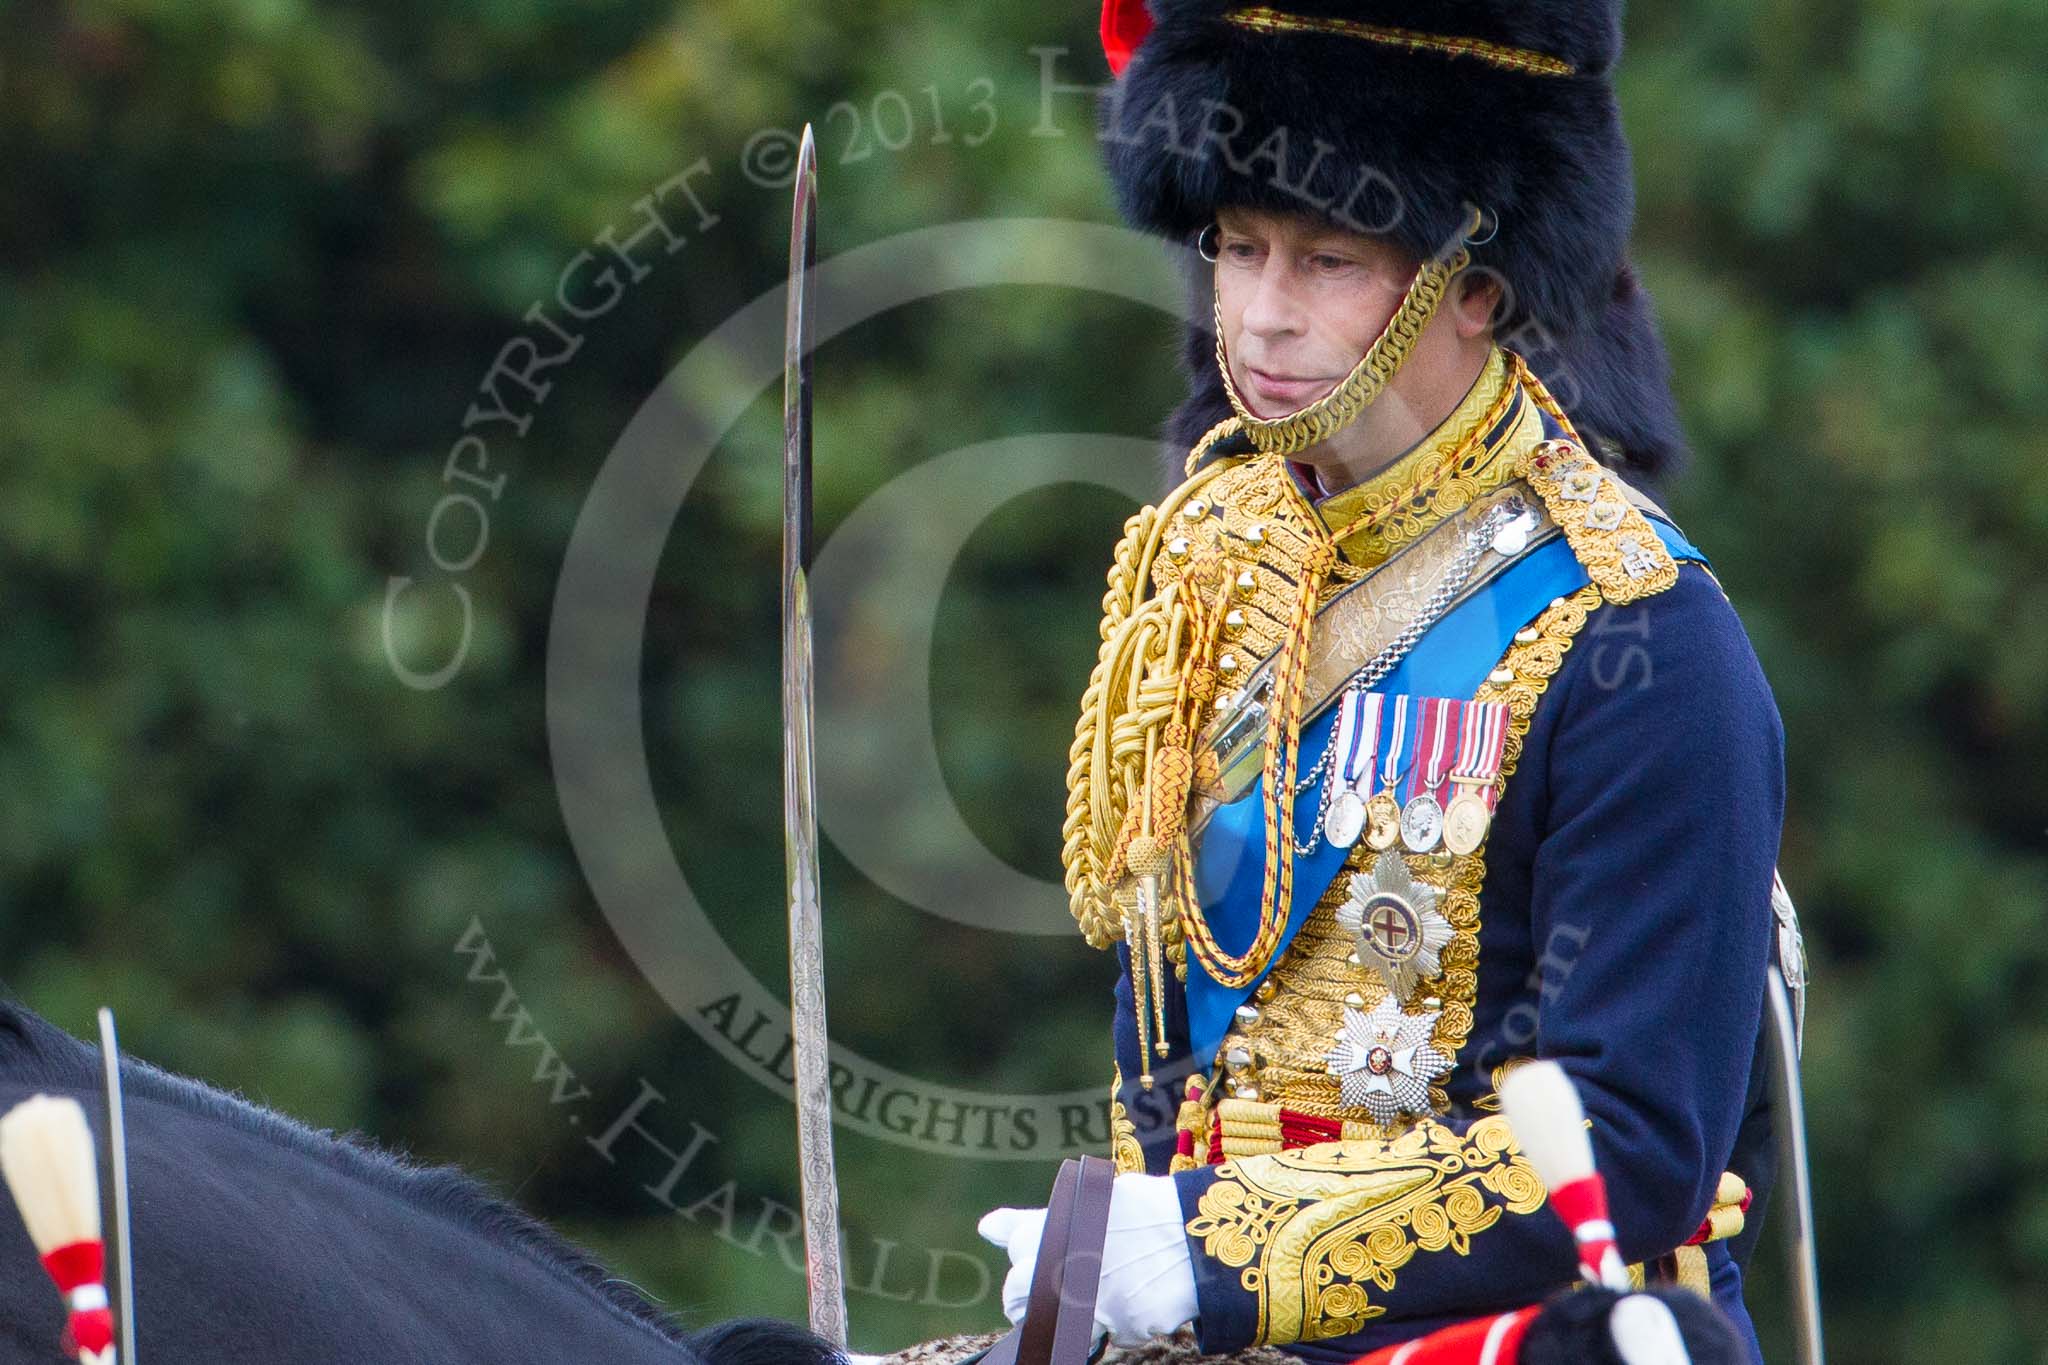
[[1285, 388]]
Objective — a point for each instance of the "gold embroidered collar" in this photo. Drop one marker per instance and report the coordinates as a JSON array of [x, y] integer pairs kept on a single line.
[[1470, 453]]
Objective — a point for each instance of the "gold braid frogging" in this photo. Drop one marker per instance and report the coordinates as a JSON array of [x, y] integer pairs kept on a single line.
[[1132, 695], [1131, 764]]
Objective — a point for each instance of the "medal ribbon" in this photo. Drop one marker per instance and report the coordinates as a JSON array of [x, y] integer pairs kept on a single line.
[[1358, 738], [1432, 745], [1442, 715], [1482, 739], [1344, 743], [1390, 766]]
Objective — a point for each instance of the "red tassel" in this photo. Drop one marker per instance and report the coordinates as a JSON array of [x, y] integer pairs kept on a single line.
[[1481, 1341], [1582, 1205], [1124, 25], [79, 1268]]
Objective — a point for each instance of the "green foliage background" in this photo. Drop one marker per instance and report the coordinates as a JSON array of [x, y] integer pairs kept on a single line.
[[259, 254]]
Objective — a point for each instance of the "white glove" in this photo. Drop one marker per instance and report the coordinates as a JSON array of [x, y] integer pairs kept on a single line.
[[1148, 1278]]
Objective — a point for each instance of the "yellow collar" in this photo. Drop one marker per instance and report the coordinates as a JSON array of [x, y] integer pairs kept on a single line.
[[1470, 452]]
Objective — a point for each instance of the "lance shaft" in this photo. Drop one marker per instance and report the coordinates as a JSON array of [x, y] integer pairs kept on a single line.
[[114, 1180], [1789, 1120], [825, 1279]]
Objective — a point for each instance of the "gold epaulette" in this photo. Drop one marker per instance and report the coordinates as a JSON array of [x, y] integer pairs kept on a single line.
[[1613, 540]]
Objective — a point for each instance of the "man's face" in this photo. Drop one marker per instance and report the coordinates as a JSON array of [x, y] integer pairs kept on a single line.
[[1301, 302]]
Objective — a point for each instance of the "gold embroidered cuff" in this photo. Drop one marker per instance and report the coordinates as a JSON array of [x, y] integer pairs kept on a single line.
[[1317, 1234]]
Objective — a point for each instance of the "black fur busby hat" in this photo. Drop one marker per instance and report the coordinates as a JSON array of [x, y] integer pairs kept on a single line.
[[1397, 118]]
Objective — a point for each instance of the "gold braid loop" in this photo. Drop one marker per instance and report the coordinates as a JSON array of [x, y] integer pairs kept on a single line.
[[1135, 689]]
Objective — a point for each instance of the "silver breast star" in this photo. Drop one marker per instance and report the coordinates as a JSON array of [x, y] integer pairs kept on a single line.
[[1396, 923], [1384, 1062]]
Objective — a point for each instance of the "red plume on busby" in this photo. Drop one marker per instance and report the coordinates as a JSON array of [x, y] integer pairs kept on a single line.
[[1395, 118], [1124, 25]]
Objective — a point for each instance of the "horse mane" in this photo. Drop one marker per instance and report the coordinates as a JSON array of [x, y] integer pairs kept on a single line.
[[34, 1051]]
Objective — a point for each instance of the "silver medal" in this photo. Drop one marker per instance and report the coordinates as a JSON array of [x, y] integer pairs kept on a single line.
[[1422, 823], [1346, 819]]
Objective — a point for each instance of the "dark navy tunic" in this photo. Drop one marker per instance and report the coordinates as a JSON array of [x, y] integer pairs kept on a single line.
[[1625, 928]]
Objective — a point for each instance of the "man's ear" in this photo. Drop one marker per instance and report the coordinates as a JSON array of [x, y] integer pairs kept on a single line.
[[1475, 296]]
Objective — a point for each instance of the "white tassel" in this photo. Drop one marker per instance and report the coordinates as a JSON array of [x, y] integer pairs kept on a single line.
[[46, 1156], [46, 1152], [1645, 1333], [1543, 1107]]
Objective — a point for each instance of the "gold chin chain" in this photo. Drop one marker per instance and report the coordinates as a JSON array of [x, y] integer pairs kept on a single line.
[[1340, 407]]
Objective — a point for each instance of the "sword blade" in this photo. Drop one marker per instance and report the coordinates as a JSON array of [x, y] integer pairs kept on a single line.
[[825, 1279], [1790, 1123], [120, 1257]]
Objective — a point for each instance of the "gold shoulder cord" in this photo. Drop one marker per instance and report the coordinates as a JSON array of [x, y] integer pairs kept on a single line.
[[1130, 767]]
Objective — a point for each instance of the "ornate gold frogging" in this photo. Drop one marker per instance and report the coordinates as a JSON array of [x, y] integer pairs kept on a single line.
[[1131, 695], [1316, 1231], [1124, 1150]]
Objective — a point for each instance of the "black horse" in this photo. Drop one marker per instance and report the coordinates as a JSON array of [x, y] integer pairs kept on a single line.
[[260, 1240]]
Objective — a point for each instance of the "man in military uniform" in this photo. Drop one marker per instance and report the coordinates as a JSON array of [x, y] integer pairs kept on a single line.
[[1421, 741]]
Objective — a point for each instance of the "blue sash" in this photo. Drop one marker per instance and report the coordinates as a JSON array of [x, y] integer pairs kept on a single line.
[[1451, 660]]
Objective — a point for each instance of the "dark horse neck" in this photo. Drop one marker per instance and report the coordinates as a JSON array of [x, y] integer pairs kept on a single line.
[[259, 1240]]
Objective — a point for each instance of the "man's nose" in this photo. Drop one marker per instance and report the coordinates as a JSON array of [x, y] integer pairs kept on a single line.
[[1274, 308]]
